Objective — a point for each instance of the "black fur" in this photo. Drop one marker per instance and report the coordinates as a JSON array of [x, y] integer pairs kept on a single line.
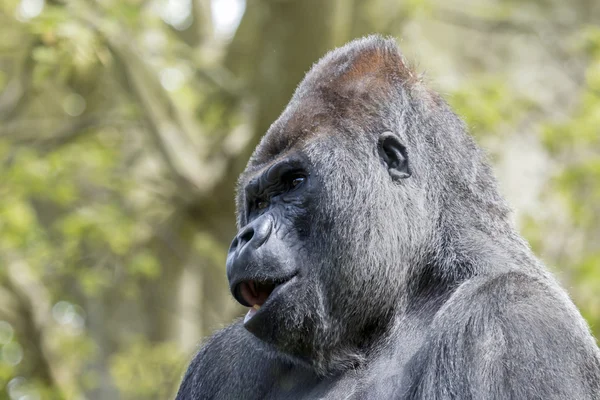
[[401, 276]]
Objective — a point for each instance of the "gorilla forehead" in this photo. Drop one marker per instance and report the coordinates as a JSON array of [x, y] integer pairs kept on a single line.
[[347, 87]]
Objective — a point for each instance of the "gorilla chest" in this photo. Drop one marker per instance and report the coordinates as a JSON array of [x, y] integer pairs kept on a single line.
[[385, 377], [374, 383]]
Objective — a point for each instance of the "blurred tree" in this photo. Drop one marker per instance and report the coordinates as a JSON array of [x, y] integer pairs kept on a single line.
[[124, 125]]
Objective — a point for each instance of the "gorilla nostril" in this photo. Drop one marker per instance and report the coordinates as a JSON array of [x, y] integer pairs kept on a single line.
[[257, 233], [245, 236]]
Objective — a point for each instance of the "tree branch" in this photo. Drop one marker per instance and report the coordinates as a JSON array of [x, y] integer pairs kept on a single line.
[[18, 90], [189, 163], [465, 20], [64, 135], [34, 314]]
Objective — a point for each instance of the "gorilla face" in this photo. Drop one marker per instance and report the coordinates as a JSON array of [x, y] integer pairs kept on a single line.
[[315, 245], [263, 263], [331, 213], [269, 265]]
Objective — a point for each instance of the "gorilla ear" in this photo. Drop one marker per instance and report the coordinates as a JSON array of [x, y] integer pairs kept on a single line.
[[393, 154]]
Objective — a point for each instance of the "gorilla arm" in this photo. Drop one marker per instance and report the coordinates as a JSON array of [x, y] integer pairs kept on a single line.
[[508, 337]]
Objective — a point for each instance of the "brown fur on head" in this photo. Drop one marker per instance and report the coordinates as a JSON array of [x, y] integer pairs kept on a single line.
[[345, 84], [369, 64]]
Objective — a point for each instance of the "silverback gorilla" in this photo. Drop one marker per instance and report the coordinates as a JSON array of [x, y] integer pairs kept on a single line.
[[377, 258]]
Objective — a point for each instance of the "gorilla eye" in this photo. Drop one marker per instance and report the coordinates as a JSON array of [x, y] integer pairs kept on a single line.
[[261, 204], [297, 181], [292, 180]]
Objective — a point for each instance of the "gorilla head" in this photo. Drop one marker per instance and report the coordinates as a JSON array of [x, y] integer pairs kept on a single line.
[[348, 207]]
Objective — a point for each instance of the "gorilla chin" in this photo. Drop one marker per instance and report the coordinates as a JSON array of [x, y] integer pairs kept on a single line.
[[277, 317]]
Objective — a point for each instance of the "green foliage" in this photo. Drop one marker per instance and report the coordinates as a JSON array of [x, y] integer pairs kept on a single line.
[[575, 144], [489, 106], [69, 218], [145, 370]]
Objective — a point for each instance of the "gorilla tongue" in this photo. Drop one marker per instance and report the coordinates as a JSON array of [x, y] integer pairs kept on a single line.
[[256, 293]]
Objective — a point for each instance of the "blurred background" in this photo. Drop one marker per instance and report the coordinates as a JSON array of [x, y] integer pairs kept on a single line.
[[124, 125]]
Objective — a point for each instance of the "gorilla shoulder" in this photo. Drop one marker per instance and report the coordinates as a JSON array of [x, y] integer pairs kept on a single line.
[[491, 330]]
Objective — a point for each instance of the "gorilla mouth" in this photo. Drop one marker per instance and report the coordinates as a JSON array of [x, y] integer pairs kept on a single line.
[[254, 294]]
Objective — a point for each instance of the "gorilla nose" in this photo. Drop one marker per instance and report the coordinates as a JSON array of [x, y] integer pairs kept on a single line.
[[246, 243], [253, 235]]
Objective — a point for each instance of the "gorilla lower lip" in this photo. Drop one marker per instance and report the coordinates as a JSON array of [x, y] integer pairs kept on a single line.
[[250, 314], [253, 310]]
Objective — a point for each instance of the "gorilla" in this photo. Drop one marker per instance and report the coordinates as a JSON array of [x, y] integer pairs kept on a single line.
[[377, 258]]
